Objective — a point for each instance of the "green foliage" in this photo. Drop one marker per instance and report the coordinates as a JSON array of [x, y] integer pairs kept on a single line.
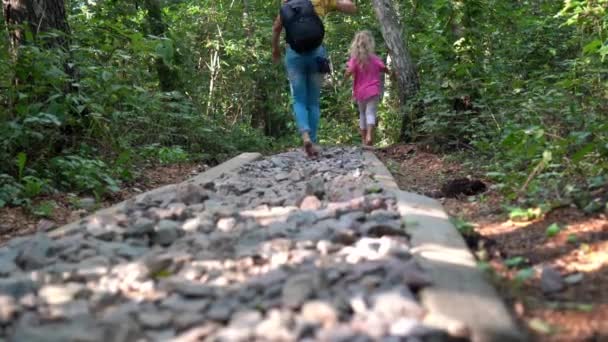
[[521, 84], [44, 209], [464, 227], [572, 239], [552, 230], [83, 175], [32, 186], [10, 191], [523, 215], [515, 261]]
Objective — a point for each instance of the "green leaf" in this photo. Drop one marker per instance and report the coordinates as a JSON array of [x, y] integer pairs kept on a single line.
[[106, 76], [540, 326], [593, 46], [578, 156], [515, 261], [552, 230], [164, 50], [21, 160], [572, 238], [525, 274]]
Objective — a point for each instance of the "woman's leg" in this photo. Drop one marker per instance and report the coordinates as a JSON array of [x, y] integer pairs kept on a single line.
[[315, 80], [314, 103], [296, 71]]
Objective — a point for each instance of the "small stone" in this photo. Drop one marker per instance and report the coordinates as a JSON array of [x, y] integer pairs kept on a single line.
[[316, 187], [35, 253], [404, 327], [319, 312], [248, 318], [166, 232], [310, 203], [192, 225], [299, 288], [551, 280], [274, 328], [573, 278], [155, 319], [279, 177], [83, 329], [179, 304], [376, 229], [7, 267], [161, 335], [17, 287], [8, 309], [198, 333], [67, 310], [59, 294], [45, 225], [226, 224], [399, 302], [186, 320], [142, 225], [220, 311], [102, 228], [191, 194], [192, 289], [295, 176], [87, 203], [28, 301]]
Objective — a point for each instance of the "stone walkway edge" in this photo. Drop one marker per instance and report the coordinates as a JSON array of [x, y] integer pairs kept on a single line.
[[211, 174], [460, 299]]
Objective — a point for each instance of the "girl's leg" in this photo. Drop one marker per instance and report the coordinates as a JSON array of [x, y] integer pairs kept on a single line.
[[370, 113], [296, 71], [362, 121]]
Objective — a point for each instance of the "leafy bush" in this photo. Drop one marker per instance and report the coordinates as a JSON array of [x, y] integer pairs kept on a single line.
[[83, 174]]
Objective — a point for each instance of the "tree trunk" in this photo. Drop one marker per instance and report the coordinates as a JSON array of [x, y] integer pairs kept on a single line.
[[405, 70], [36, 16], [167, 77]]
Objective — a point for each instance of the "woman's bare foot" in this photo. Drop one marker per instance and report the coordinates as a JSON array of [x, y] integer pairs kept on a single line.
[[310, 149]]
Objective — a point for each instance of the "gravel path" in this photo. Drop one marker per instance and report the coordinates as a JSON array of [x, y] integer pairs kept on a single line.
[[283, 249]]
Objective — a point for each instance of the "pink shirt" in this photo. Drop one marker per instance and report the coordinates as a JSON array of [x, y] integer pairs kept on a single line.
[[367, 79]]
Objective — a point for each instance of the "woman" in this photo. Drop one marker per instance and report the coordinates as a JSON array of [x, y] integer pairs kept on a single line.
[[305, 57]]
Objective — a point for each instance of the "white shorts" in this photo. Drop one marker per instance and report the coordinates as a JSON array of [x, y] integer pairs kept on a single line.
[[367, 111]]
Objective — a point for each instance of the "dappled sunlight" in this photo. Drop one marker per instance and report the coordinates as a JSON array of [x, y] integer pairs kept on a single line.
[[441, 253]]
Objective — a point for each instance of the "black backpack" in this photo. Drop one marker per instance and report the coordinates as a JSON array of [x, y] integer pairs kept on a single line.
[[303, 27]]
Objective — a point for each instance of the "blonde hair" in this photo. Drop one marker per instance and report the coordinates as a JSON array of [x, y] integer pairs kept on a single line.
[[362, 47]]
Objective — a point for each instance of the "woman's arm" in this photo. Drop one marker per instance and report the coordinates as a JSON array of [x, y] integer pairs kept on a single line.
[[346, 6], [277, 27]]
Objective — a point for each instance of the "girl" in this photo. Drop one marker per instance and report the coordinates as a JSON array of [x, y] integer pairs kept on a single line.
[[366, 69]]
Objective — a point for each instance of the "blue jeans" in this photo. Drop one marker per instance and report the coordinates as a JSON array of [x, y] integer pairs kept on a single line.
[[305, 83]]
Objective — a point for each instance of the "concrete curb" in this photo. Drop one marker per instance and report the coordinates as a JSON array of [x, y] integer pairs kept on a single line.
[[460, 299], [211, 174]]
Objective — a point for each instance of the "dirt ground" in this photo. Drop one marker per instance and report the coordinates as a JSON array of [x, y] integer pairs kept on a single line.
[[579, 251], [19, 221]]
